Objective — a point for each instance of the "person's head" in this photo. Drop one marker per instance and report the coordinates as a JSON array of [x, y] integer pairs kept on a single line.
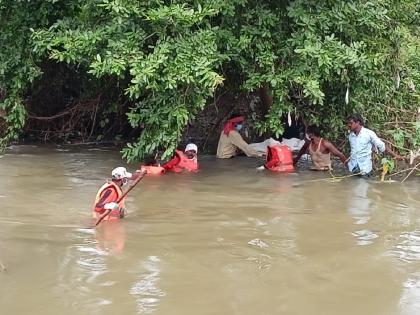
[[191, 150], [120, 176], [313, 131], [150, 160], [238, 121], [355, 122], [235, 122]]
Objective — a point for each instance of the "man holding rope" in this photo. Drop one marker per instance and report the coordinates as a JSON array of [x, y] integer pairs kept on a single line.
[[110, 198]]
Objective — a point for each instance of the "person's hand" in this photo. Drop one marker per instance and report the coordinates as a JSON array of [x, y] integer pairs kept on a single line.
[[141, 171], [399, 157], [346, 163], [111, 206], [260, 168]]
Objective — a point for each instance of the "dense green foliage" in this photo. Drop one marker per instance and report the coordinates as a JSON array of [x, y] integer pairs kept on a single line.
[[168, 58]]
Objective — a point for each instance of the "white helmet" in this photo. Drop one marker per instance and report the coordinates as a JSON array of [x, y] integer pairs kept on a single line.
[[120, 173], [191, 147]]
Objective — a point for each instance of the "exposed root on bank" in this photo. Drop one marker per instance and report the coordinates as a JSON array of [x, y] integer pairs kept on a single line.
[[79, 119]]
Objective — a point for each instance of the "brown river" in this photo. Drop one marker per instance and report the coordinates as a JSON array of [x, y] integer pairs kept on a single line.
[[227, 240]]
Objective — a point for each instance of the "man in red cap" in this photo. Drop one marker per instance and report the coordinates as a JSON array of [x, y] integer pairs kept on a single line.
[[231, 142]]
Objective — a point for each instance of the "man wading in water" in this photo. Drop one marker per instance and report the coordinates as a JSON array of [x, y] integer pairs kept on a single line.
[[109, 202], [362, 141], [231, 142], [183, 161], [320, 150]]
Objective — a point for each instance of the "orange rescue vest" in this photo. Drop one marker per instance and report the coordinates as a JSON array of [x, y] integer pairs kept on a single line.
[[153, 170], [185, 163], [284, 156], [114, 215]]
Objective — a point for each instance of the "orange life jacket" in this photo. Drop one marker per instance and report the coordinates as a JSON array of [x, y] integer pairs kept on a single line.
[[284, 156], [114, 215], [185, 163], [153, 170]]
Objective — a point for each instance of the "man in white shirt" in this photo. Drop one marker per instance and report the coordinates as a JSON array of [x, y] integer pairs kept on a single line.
[[362, 141]]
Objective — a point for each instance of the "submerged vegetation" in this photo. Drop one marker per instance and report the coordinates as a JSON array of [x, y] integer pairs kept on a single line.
[[141, 71]]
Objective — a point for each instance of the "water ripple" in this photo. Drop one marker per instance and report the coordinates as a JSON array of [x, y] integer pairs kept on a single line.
[[259, 243], [263, 262], [410, 298], [364, 237], [408, 250]]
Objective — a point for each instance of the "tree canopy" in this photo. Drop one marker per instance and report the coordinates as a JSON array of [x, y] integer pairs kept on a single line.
[[320, 60]]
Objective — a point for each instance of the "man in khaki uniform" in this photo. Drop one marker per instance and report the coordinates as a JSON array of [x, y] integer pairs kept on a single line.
[[231, 141]]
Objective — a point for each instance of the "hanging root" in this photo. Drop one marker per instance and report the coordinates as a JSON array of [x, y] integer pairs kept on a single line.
[[79, 120]]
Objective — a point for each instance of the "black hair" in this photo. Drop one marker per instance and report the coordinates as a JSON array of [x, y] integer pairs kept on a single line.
[[356, 118], [314, 129], [234, 115], [150, 160]]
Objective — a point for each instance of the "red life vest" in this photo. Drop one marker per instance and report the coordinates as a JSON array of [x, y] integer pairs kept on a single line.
[[185, 163], [284, 158], [153, 170], [114, 215]]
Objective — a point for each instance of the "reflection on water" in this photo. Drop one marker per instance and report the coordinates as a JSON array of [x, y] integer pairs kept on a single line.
[[408, 248], [145, 289], [360, 205], [364, 237], [228, 240], [410, 298], [111, 237]]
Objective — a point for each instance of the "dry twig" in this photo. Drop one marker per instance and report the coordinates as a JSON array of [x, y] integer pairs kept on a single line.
[[411, 172]]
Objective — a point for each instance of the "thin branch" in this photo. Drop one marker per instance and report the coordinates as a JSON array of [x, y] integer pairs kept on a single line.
[[413, 169]]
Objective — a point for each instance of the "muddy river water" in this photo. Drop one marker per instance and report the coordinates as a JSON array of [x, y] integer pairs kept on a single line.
[[227, 240]]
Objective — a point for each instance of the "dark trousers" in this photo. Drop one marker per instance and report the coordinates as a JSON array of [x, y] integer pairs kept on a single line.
[[356, 170]]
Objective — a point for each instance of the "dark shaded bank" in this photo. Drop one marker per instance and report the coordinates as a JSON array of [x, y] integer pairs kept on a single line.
[[62, 114]]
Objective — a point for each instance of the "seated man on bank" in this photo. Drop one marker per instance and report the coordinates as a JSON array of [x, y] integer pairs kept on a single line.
[[320, 150], [231, 142], [183, 161]]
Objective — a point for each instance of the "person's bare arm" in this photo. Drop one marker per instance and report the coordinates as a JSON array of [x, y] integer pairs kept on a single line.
[[104, 199], [378, 143], [393, 154], [301, 152], [335, 151]]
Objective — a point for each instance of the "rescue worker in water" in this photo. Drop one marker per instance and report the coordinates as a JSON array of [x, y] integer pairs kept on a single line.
[[279, 158], [151, 166], [110, 192], [181, 161]]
